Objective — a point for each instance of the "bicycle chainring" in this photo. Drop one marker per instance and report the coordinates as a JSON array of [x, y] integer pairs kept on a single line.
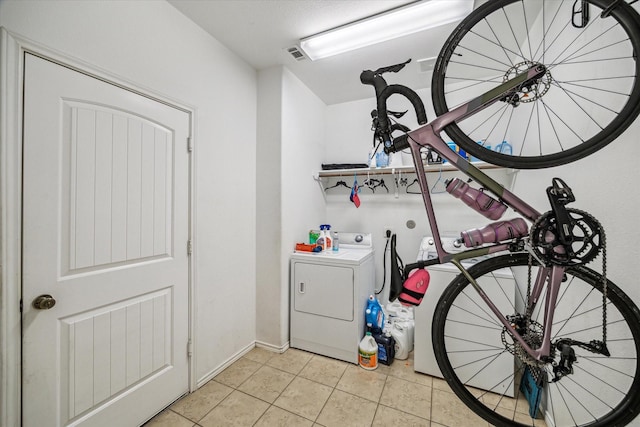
[[587, 239]]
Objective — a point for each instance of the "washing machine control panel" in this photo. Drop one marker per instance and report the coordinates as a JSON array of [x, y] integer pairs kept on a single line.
[[428, 246], [450, 244], [355, 240]]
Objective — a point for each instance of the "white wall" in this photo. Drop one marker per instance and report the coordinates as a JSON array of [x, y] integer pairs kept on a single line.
[[291, 129], [153, 45], [303, 136], [605, 185], [268, 203]]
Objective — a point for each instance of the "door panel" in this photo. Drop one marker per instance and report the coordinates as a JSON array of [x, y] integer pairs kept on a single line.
[[120, 178], [105, 226], [324, 290]]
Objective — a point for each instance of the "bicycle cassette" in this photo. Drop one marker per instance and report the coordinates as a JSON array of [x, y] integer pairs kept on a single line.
[[587, 239]]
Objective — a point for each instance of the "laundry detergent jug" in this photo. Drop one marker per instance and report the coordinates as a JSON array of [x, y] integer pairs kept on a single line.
[[386, 346], [374, 315], [401, 333], [368, 352]]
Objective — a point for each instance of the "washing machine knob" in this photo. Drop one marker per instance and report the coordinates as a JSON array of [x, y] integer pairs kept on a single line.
[[430, 242], [359, 238]]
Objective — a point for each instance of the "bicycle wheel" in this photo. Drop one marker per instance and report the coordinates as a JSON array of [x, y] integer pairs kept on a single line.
[[588, 97], [484, 367]]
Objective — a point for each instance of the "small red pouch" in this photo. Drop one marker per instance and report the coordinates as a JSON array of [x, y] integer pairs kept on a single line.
[[414, 288]]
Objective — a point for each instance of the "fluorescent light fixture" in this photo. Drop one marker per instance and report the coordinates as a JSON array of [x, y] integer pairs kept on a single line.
[[385, 26]]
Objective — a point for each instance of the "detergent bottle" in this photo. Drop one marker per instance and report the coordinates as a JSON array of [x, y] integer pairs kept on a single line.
[[328, 241], [368, 352], [324, 238], [373, 313], [386, 346]]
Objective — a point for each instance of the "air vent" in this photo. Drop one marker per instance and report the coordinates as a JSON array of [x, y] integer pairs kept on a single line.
[[297, 53]]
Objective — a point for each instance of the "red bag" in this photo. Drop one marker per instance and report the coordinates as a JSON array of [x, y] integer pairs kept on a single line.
[[414, 288]]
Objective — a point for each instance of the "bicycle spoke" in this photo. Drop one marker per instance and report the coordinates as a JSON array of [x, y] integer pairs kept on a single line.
[[589, 87], [594, 385]]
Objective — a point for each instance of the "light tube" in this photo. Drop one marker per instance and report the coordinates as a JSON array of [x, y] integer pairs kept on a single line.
[[386, 26]]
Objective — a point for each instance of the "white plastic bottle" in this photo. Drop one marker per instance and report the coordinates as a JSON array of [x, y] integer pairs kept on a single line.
[[368, 352], [327, 237], [322, 241]]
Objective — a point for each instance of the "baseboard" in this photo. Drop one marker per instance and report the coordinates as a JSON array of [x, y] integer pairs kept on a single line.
[[205, 379], [272, 347]]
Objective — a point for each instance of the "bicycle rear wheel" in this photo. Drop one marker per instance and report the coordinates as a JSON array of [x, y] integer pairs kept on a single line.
[[588, 97], [484, 367]]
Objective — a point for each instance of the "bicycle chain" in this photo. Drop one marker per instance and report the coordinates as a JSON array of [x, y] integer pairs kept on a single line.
[[529, 311]]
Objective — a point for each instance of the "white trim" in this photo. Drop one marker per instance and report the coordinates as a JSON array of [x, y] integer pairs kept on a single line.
[[10, 228], [12, 50], [271, 347], [207, 377]]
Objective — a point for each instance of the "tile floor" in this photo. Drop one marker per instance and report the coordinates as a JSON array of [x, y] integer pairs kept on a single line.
[[297, 388]]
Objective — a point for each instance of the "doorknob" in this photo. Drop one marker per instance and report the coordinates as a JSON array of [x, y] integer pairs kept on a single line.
[[43, 302]]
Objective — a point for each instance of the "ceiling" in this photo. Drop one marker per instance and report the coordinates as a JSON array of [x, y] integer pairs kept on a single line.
[[260, 31]]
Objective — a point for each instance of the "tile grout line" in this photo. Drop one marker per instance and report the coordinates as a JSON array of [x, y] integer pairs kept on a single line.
[[262, 363]]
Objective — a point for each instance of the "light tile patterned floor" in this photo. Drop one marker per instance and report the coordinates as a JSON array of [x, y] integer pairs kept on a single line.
[[297, 388]]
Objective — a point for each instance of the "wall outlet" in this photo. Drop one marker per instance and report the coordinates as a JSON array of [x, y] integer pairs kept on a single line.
[[388, 231]]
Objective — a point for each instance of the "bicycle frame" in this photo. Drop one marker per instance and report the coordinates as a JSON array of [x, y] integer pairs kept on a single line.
[[429, 136]]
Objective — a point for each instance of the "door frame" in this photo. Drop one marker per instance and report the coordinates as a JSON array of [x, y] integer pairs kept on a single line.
[[12, 52]]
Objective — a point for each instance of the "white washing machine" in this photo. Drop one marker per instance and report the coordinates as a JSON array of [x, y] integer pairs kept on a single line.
[[440, 276], [328, 297]]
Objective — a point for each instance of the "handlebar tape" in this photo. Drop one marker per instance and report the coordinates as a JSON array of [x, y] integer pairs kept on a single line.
[[398, 144], [413, 97]]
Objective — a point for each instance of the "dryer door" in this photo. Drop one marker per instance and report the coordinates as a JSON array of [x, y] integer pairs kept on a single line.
[[324, 290]]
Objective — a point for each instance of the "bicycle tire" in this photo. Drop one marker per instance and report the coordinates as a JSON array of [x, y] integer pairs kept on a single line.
[[577, 114], [464, 343]]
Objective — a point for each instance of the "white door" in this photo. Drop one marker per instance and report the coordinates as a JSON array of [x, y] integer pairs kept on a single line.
[[105, 230]]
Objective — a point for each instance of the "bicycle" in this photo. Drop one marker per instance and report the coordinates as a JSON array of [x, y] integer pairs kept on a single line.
[[572, 335]]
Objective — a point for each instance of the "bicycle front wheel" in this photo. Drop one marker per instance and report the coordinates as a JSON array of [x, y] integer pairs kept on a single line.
[[588, 97], [484, 366]]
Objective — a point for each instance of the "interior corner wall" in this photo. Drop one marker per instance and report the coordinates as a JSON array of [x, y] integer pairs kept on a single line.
[[291, 129], [151, 44], [268, 207], [302, 205]]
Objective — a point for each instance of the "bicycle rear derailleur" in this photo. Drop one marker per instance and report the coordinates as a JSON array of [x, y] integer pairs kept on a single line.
[[568, 355]]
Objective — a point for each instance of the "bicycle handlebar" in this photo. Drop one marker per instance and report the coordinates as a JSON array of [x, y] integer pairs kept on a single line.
[[383, 92]]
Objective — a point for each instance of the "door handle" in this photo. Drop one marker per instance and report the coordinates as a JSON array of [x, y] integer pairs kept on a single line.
[[301, 288], [43, 302]]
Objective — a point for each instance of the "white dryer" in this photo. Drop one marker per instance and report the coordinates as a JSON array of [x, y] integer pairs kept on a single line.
[[440, 276], [328, 297]]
